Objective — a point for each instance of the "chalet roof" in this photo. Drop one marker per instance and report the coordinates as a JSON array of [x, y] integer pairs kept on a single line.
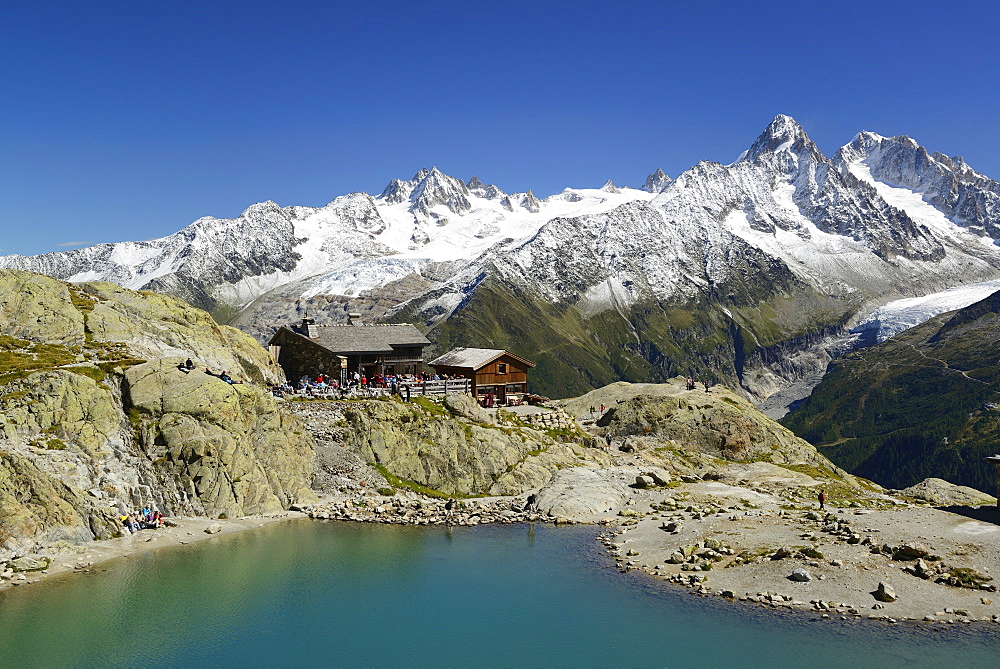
[[366, 338], [473, 358]]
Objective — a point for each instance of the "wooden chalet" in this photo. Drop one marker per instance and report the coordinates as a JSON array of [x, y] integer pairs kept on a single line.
[[338, 351], [490, 370]]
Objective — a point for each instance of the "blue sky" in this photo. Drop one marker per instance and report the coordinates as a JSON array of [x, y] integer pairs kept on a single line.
[[129, 120]]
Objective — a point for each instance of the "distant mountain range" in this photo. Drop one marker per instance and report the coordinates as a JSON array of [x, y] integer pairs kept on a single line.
[[730, 272]]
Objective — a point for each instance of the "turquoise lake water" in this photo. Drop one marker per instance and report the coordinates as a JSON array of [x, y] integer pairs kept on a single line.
[[311, 593]]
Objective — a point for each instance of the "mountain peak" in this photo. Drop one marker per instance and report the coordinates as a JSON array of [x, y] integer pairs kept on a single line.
[[657, 181], [435, 188], [783, 135], [609, 187]]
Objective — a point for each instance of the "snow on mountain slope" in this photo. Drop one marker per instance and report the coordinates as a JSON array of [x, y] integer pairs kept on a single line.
[[782, 220], [353, 244], [903, 314], [966, 198], [883, 218]]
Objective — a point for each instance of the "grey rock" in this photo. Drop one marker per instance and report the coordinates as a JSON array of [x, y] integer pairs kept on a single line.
[[644, 482], [659, 476], [941, 493], [782, 553], [465, 406], [885, 592], [914, 550], [581, 491], [29, 564], [214, 528], [800, 575]]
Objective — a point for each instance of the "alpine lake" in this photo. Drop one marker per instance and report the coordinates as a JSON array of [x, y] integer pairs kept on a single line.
[[320, 593]]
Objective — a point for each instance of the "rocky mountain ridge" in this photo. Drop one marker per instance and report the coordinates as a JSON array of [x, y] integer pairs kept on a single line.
[[771, 249]]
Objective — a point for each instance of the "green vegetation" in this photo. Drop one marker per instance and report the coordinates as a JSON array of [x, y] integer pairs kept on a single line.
[[19, 357], [95, 373], [83, 302], [653, 341], [925, 403], [429, 405], [397, 482], [968, 577]]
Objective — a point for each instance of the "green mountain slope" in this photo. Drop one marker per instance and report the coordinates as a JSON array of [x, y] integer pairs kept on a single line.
[[649, 341], [924, 403]]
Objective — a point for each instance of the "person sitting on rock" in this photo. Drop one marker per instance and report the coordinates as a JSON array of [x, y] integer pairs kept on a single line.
[[189, 364]]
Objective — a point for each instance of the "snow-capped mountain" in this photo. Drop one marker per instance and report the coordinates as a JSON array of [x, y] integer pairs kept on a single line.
[[353, 244], [729, 261]]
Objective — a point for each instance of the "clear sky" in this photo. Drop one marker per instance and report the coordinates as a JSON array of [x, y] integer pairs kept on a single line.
[[129, 120]]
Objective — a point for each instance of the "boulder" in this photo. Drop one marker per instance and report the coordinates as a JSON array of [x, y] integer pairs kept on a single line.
[[214, 528], [30, 564], [913, 551], [644, 482], [800, 575], [465, 406], [782, 553], [228, 446], [884, 592], [458, 457], [659, 476], [941, 493], [581, 491]]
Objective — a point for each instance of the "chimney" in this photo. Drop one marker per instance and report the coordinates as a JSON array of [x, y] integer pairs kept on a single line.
[[306, 322], [354, 319]]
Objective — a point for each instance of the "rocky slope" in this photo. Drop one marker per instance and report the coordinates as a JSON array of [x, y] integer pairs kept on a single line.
[[456, 451], [96, 419], [923, 403]]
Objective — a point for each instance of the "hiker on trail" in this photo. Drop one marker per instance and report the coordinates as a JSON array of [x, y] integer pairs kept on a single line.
[[690, 383], [707, 385], [407, 389], [822, 499], [607, 439]]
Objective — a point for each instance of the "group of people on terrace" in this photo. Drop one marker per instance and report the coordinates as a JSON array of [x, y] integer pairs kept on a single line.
[[394, 383]]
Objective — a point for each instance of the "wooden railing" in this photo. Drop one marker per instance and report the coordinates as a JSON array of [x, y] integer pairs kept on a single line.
[[417, 388]]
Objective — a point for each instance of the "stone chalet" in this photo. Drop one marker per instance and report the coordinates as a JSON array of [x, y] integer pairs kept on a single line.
[[341, 350], [490, 370]]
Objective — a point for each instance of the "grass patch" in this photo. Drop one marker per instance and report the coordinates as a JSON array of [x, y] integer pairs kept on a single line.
[[20, 358], [123, 363], [83, 302], [95, 373], [430, 406], [397, 482], [812, 552]]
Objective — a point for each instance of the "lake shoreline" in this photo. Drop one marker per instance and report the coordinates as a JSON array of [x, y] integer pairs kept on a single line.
[[839, 588]]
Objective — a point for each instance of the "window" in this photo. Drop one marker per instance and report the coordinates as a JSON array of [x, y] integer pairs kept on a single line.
[[501, 368]]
